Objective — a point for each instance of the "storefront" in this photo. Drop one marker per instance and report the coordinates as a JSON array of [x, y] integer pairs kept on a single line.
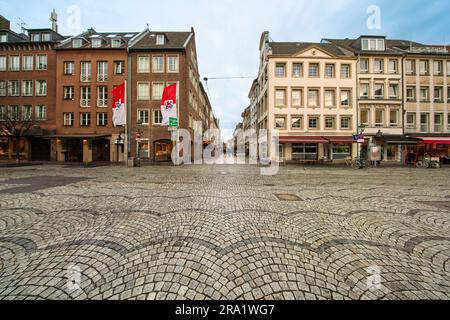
[[436, 146], [395, 148], [4, 148]]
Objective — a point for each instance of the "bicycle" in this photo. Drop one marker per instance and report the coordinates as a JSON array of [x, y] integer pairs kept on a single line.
[[359, 163], [429, 162]]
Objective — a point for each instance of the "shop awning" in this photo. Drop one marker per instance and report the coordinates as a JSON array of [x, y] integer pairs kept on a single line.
[[435, 140], [342, 139], [79, 136], [303, 139], [395, 139]]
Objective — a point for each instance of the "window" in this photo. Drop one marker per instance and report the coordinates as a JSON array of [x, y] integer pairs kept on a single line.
[[297, 70], [424, 122], [378, 66], [41, 62], [438, 122], [393, 66], [393, 91], [364, 66], [448, 121], [448, 68], [423, 67], [448, 94], [313, 98], [3, 37], [313, 70], [86, 71], [438, 94], [411, 94], [69, 93], [345, 71], [330, 123], [27, 113], [393, 117], [2, 113], [102, 119], [35, 37], [438, 68], [68, 119], [143, 64], [102, 71], [364, 89], [119, 67], [157, 117], [85, 119], [2, 88], [373, 44], [46, 37], [313, 123], [2, 63], [160, 39], [296, 99], [172, 64], [41, 113], [329, 71], [364, 117], [116, 43], [330, 98], [280, 123], [102, 96], [13, 86], [424, 94], [346, 122], [85, 96], [157, 90], [410, 67], [411, 120], [14, 63], [27, 88], [41, 87], [158, 64], [304, 151], [143, 91], [297, 123], [379, 117], [379, 90], [143, 117], [14, 113], [27, 63], [77, 43], [69, 68], [280, 70], [280, 97], [345, 98], [96, 43]]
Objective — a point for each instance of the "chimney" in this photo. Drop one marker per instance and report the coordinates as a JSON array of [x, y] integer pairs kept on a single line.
[[54, 20], [4, 23]]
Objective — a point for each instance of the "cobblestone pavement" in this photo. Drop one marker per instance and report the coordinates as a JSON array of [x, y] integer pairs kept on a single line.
[[224, 232]]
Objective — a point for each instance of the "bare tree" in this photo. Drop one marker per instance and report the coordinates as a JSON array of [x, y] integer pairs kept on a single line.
[[15, 125]]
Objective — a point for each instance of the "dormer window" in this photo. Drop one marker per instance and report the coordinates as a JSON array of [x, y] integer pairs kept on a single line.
[[116, 43], [35, 37], [46, 37], [373, 44], [77, 43], [160, 39], [3, 37], [96, 43]]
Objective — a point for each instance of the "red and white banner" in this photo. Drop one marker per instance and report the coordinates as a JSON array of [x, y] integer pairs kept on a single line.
[[169, 104], [119, 111]]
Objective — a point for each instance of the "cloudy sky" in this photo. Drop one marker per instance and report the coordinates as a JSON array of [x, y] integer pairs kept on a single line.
[[228, 31]]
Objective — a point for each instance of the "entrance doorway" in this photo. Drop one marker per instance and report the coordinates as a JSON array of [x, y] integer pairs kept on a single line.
[[74, 150], [163, 150], [40, 149], [101, 150]]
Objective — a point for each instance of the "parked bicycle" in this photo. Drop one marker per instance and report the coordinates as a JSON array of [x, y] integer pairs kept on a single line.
[[359, 163], [429, 162]]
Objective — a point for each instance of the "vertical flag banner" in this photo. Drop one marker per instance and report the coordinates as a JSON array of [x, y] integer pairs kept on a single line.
[[169, 106], [119, 112]]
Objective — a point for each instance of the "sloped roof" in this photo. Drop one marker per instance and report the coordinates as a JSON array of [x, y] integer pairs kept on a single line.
[[91, 34], [289, 48], [173, 40], [392, 46]]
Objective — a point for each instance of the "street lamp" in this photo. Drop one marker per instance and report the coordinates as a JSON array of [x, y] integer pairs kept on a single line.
[[138, 140]]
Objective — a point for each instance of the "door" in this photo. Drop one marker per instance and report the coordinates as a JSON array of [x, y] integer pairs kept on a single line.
[[40, 149]]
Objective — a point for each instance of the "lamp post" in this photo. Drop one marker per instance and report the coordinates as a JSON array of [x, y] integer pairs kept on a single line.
[[138, 142]]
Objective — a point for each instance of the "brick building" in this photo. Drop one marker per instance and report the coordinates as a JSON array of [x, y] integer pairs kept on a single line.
[[28, 90], [89, 66]]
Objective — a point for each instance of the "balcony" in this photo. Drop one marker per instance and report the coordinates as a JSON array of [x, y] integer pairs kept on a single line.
[[85, 78], [102, 102], [85, 103], [102, 77]]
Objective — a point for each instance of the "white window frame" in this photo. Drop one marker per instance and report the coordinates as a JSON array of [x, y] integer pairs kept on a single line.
[[27, 62], [140, 90], [77, 43], [41, 88], [12, 93], [85, 119], [366, 85], [158, 63], [86, 71], [69, 68], [14, 63], [383, 117], [277, 99], [378, 96], [41, 113], [69, 93], [102, 96], [68, 119], [160, 39], [27, 84], [102, 71], [96, 43], [3, 63], [295, 119], [333, 98], [397, 117], [314, 70], [143, 64], [300, 69], [378, 66], [367, 63], [367, 111], [3, 88], [155, 94], [102, 119], [349, 98], [284, 122], [27, 112], [342, 118], [317, 98], [144, 116], [397, 94], [116, 43], [156, 113], [85, 96], [119, 64], [411, 125], [300, 98], [41, 62], [412, 98], [346, 72], [330, 67], [173, 66]]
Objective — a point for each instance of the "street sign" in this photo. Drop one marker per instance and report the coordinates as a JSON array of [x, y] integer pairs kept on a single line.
[[173, 122]]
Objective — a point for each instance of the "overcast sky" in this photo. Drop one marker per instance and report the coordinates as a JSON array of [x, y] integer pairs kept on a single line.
[[228, 31]]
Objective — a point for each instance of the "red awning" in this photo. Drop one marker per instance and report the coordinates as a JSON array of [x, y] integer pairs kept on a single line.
[[304, 139], [345, 139], [435, 140]]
